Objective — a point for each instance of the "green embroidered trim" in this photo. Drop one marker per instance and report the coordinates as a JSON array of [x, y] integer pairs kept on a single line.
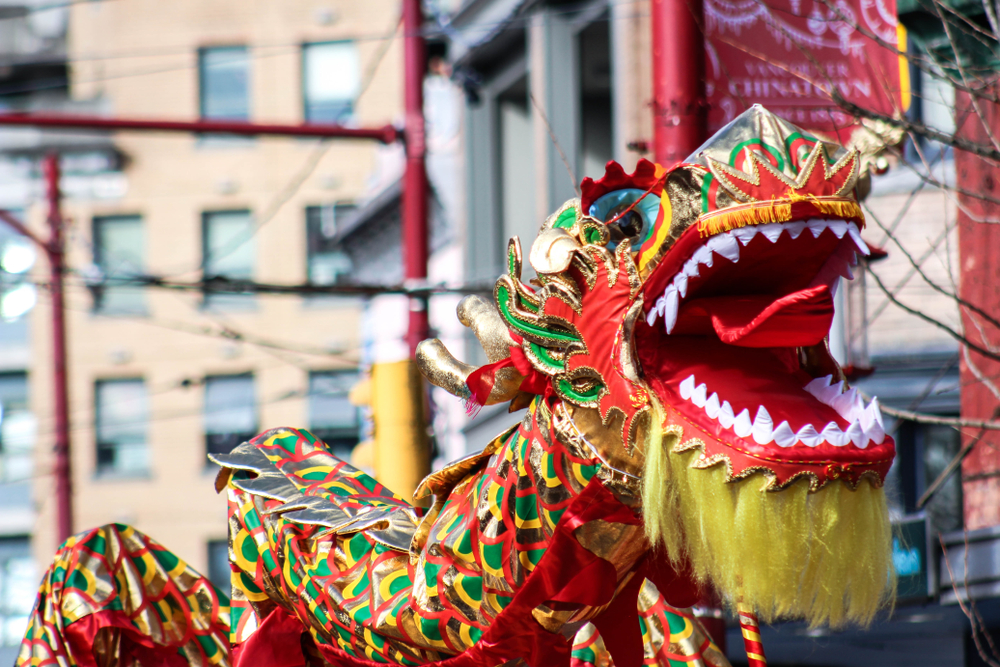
[[566, 219], [546, 358], [589, 396], [503, 301]]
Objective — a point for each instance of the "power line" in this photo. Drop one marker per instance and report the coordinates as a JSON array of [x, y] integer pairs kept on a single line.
[[312, 161], [516, 21], [286, 395], [226, 285], [34, 9]]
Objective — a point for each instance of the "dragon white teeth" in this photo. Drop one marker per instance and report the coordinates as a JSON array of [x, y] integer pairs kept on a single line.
[[687, 387], [712, 406], [866, 424], [871, 421], [815, 386], [702, 255], [670, 304], [857, 435], [771, 232], [839, 228], [823, 391], [784, 436], [725, 416], [809, 437], [742, 424], [845, 404], [795, 228], [698, 397], [726, 246], [816, 227], [744, 234], [763, 427], [852, 229], [832, 434], [681, 283]]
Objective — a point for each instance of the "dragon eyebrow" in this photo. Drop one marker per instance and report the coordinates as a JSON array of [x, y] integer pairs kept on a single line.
[[661, 179]]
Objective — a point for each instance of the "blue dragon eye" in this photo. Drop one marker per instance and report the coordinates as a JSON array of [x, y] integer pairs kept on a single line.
[[633, 226]]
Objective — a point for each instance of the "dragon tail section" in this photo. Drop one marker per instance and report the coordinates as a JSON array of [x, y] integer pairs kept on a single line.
[[114, 597]]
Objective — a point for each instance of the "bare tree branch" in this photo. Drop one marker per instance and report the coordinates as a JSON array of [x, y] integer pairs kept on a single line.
[[927, 318], [949, 470], [922, 418], [951, 295], [973, 618], [961, 72]]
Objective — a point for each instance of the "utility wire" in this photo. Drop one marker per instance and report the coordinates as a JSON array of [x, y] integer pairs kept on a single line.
[[299, 178], [433, 32]]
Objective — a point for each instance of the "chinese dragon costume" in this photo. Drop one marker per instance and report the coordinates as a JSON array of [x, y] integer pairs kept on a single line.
[[686, 430]]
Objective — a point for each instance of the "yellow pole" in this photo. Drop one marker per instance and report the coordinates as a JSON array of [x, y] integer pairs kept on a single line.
[[402, 449]]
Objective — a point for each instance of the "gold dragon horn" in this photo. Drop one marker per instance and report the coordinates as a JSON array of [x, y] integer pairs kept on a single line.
[[442, 369]]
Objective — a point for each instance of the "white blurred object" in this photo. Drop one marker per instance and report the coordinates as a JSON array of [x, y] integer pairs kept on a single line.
[[17, 302], [19, 255]]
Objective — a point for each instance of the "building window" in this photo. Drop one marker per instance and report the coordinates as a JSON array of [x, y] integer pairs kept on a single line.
[[230, 412], [218, 565], [228, 250], [224, 76], [122, 423], [332, 418], [18, 587], [119, 255], [331, 81], [17, 428], [326, 261], [923, 452], [17, 294]]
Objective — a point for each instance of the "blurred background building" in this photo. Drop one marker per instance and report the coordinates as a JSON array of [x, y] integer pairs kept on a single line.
[[523, 99], [556, 89], [158, 378]]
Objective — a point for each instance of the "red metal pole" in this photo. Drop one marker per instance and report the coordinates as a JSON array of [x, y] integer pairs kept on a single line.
[[415, 187], [63, 473], [679, 108], [386, 134]]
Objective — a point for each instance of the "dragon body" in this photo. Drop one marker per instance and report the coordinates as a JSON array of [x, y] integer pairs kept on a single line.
[[686, 430]]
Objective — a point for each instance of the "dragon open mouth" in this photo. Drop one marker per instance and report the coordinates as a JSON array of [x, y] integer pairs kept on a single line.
[[733, 343]]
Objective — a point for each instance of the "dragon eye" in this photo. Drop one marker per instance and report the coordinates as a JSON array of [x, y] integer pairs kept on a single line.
[[626, 225], [630, 215]]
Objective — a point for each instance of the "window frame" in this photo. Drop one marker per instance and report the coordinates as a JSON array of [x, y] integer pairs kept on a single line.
[[313, 250], [304, 82], [230, 301], [210, 546], [338, 435], [99, 290], [202, 88], [14, 547], [113, 472], [12, 408], [242, 437]]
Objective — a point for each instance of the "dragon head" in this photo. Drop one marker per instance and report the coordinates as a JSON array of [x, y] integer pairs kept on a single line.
[[686, 311]]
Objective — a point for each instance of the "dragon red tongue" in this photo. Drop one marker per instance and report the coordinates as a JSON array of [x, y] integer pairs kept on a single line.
[[798, 319]]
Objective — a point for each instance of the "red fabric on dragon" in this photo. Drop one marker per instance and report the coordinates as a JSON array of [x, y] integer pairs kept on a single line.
[[671, 351]]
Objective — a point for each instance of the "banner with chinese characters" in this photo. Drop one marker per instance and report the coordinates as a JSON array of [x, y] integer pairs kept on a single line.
[[788, 54]]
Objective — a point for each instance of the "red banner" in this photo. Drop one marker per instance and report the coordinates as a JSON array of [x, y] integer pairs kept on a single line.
[[788, 54]]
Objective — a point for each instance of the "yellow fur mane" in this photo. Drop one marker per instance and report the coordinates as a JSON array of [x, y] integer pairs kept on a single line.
[[824, 557]]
